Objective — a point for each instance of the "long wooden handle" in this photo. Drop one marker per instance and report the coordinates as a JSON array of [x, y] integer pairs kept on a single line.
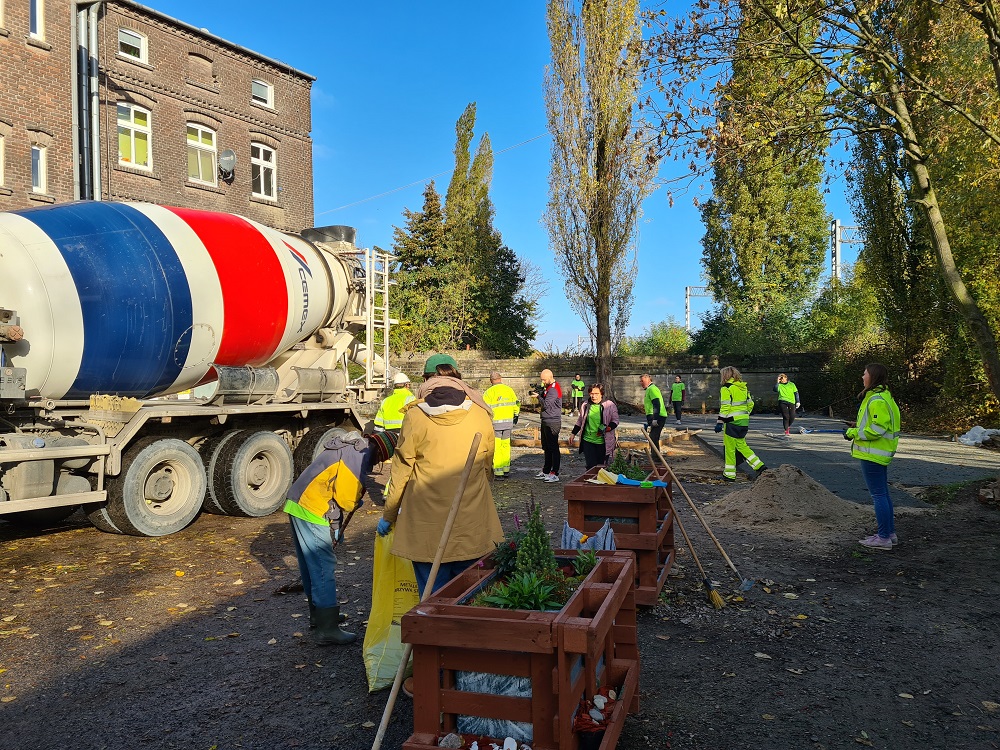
[[677, 520], [429, 588], [694, 508]]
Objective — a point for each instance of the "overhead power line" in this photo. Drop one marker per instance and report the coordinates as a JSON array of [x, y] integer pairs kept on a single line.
[[425, 179]]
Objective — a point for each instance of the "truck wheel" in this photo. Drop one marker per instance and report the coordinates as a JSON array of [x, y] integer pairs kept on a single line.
[[257, 472], [160, 489], [210, 451], [97, 514], [311, 445]]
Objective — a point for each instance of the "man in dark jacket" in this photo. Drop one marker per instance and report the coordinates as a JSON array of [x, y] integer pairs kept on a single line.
[[550, 399]]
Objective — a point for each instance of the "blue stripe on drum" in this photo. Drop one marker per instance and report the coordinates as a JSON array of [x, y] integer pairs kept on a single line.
[[134, 295]]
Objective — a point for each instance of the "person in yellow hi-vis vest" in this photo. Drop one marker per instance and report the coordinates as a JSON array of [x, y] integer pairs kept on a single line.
[[506, 408], [390, 412], [735, 405]]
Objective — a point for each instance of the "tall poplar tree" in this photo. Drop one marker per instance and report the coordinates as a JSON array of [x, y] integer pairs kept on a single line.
[[601, 168]]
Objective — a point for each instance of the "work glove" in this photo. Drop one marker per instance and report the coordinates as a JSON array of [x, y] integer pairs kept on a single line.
[[383, 528], [515, 419], [846, 435], [649, 420], [718, 426], [798, 405]]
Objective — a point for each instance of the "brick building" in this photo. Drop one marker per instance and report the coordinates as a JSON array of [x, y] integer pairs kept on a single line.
[[151, 109]]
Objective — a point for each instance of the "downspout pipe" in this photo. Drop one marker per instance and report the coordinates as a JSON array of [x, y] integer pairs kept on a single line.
[[95, 101], [81, 110]]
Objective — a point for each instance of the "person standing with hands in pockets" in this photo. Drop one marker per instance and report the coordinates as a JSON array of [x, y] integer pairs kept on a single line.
[[550, 399], [788, 400]]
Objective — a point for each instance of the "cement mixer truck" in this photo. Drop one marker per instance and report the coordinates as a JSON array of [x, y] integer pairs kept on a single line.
[[156, 362]]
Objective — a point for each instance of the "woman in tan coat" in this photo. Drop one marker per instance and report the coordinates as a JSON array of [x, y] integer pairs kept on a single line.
[[437, 432]]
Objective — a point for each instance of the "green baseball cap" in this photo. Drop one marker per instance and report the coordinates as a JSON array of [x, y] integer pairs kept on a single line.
[[439, 359]]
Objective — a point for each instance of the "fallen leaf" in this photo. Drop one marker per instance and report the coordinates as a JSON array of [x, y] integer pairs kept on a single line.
[[991, 706], [297, 614], [768, 717], [272, 641], [663, 637], [296, 635], [906, 695], [232, 635], [791, 596], [105, 622], [179, 573], [300, 666], [369, 725], [729, 674], [761, 655], [908, 723], [800, 617], [238, 581], [9, 618], [8, 698], [230, 609], [794, 670]]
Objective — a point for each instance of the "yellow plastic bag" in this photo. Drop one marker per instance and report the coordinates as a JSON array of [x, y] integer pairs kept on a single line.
[[394, 593]]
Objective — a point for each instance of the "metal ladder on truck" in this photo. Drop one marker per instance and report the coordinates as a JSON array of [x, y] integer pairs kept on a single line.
[[378, 267]]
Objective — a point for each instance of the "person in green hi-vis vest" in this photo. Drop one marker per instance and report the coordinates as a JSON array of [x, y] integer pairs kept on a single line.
[[655, 408], [576, 392], [788, 400], [677, 389]]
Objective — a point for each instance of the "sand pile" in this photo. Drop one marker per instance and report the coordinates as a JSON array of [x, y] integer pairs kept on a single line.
[[788, 502]]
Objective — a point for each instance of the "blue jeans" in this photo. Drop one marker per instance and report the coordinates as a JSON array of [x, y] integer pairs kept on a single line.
[[446, 572], [877, 478], [317, 562]]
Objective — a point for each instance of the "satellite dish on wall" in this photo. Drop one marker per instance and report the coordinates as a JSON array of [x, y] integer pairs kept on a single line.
[[227, 162]]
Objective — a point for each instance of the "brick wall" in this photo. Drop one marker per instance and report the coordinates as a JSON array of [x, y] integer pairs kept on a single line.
[[700, 375], [35, 103], [192, 77], [188, 76]]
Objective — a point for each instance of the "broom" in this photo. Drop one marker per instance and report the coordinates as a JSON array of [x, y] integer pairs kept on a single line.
[[714, 597], [745, 583]]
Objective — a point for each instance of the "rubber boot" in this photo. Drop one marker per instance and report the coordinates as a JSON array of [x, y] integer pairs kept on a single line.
[[328, 632], [312, 617]]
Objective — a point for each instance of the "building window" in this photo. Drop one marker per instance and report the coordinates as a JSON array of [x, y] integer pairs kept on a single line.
[[135, 136], [262, 166], [132, 45], [201, 154], [39, 167], [36, 18], [262, 92]]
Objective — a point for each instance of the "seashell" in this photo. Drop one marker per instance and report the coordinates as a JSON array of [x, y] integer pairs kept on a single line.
[[450, 740], [596, 715], [474, 746], [612, 695], [600, 702], [510, 744]]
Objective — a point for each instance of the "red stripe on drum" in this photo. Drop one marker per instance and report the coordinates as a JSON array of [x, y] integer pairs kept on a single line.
[[254, 290]]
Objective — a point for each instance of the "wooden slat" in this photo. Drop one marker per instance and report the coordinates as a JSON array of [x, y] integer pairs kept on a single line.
[[491, 662], [456, 702]]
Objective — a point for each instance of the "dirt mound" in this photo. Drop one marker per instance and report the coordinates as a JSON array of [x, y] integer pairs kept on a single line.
[[788, 502]]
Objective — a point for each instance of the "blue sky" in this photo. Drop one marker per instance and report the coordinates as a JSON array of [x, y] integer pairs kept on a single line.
[[393, 78]]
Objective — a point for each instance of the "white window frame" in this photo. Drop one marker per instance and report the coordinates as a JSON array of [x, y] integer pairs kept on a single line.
[[269, 102], [261, 164], [143, 45], [132, 127], [41, 184], [201, 148], [36, 8]]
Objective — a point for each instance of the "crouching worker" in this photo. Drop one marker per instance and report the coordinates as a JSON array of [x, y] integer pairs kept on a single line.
[[331, 486]]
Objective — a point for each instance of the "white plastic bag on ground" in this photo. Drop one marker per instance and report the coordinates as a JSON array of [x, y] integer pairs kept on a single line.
[[603, 539], [977, 436]]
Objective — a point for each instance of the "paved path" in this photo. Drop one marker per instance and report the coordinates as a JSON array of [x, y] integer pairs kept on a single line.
[[826, 457]]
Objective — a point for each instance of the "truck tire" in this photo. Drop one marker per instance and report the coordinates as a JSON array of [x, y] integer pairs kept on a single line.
[[257, 472], [159, 490], [311, 445], [97, 514], [210, 451]]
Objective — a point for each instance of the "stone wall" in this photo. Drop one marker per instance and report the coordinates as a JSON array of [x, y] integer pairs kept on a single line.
[[700, 374]]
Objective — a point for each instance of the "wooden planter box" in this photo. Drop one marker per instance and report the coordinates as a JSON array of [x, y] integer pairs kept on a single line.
[[591, 642], [641, 520]]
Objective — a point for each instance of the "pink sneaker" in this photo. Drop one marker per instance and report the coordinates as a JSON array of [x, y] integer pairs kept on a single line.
[[875, 542], [894, 539]]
